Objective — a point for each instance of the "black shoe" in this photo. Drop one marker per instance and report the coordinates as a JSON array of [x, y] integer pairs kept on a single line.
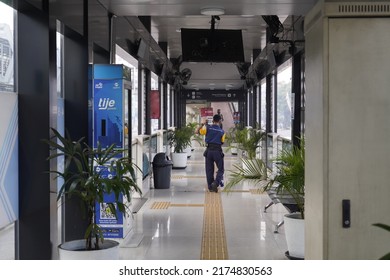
[[214, 186]]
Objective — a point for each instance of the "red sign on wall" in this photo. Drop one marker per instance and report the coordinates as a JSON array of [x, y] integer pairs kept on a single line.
[[206, 112], [154, 104]]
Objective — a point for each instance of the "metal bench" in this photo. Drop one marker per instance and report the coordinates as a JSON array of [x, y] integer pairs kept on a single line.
[[277, 197]]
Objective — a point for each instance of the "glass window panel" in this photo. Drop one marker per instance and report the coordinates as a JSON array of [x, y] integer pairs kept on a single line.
[[7, 51], [154, 86], [283, 113], [257, 110], [122, 57], [169, 107], [7, 84], [59, 58], [263, 105]]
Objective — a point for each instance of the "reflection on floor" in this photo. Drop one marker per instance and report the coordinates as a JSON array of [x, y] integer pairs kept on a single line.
[[186, 222]]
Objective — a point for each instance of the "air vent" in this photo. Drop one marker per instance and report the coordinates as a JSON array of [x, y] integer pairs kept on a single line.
[[364, 8], [344, 10]]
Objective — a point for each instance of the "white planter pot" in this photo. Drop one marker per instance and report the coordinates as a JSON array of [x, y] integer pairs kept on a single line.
[[233, 148], [188, 151], [179, 160], [74, 250], [294, 227]]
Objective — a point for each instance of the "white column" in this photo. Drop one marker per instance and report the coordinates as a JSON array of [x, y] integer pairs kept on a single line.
[[347, 129]]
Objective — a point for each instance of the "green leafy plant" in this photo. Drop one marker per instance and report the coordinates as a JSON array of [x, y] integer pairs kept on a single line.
[[195, 133], [231, 136], [180, 138], [290, 175], [254, 170], [387, 228], [251, 168], [83, 179], [248, 140]]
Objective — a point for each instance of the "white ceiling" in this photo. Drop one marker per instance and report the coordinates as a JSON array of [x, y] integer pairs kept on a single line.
[[169, 16]]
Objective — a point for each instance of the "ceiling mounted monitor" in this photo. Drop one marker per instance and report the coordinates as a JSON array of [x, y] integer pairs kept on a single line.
[[218, 45]]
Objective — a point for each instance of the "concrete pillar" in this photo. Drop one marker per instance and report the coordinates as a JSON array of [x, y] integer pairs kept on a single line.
[[347, 129]]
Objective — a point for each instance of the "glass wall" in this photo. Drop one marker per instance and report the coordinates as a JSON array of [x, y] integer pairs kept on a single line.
[[261, 88], [154, 86], [7, 51], [169, 105], [7, 85], [122, 57], [263, 104], [257, 109], [284, 98]]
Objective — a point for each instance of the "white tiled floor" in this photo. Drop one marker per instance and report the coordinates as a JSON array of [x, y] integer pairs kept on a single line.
[[176, 232]]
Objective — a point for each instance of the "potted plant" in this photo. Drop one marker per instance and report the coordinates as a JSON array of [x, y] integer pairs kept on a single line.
[[82, 177], [290, 180], [194, 138], [231, 139], [255, 171], [180, 139], [249, 140]]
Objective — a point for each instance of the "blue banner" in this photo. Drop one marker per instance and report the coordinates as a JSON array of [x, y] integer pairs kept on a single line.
[[108, 129], [110, 223], [108, 113]]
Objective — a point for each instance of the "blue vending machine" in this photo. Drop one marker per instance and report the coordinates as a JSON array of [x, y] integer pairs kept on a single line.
[[111, 84]]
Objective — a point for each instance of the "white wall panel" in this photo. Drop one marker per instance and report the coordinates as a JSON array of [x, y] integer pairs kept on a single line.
[[347, 129]]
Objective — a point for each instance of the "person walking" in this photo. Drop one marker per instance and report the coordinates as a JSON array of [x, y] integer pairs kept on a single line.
[[220, 114], [215, 137]]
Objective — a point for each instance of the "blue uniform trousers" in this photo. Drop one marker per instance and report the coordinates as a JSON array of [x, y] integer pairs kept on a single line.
[[214, 156]]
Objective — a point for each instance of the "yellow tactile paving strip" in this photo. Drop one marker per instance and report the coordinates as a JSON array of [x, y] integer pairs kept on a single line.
[[166, 205], [186, 176], [214, 245], [252, 191], [256, 191], [186, 205], [160, 205]]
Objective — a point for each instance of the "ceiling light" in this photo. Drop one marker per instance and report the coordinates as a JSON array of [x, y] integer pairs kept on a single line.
[[212, 11]]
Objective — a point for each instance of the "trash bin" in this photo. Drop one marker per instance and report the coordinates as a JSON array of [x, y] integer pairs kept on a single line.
[[162, 168]]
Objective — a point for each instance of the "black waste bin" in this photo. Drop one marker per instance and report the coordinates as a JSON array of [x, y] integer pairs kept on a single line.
[[162, 168]]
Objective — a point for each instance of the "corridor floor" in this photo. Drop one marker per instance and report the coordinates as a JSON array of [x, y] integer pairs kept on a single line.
[[186, 222]]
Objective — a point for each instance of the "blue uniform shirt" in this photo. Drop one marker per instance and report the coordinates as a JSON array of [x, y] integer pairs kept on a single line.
[[214, 134]]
